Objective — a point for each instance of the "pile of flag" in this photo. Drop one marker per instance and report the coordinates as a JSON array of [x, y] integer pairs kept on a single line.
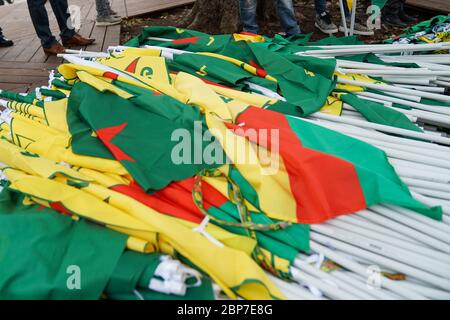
[[189, 166], [435, 30]]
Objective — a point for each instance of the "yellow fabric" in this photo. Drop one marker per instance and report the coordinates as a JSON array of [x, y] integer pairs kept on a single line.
[[149, 69], [356, 77], [332, 106], [148, 229], [238, 63], [230, 268], [56, 113], [150, 72], [275, 197], [16, 157], [55, 145], [231, 240], [349, 5], [140, 52], [280, 264], [248, 38], [26, 108], [140, 245], [102, 85]]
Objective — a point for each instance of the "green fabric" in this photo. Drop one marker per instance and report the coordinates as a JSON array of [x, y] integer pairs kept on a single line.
[[283, 243], [372, 58], [132, 269], [217, 70], [332, 40], [84, 142], [424, 28], [378, 179], [435, 102], [199, 41], [56, 94], [27, 98], [324, 67], [427, 25], [300, 88], [378, 113], [61, 84], [38, 245], [142, 134]]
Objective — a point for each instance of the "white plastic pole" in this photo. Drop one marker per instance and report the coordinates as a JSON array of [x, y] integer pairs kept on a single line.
[[353, 18], [419, 261], [330, 290], [394, 286], [421, 106], [344, 20], [342, 285], [390, 88], [378, 259], [388, 129], [408, 231]]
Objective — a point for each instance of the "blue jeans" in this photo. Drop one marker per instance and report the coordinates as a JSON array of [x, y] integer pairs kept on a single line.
[[39, 17], [285, 10], [321, 7]]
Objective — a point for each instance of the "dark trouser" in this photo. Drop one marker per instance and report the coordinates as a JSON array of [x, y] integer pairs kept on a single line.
[[1, 33], [39, 17], [393, 7], [321, 7]]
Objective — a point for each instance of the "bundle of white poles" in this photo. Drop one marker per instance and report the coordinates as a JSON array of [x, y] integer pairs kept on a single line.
[[384, 252]]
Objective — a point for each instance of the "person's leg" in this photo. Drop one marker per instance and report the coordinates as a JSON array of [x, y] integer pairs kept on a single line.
[[285, 9], [404, 16], [39, 17], [390, 14], [248, 15], [323, 19], [110, 9], [392, 7], [3, 41], [104, 15], [320, 6], [102, 7], [60, 9]]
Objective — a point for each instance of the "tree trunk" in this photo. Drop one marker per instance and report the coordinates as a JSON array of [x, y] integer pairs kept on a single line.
[[218, 16]]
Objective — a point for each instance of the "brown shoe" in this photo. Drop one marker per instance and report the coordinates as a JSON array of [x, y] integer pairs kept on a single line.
[[77, 40], [55, 49]]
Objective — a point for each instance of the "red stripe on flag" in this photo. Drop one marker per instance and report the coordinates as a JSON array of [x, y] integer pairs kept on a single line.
[[107, 134], [111, 75], [186, 40], [246, 33], [259, 70], [324, 186], [176, 199], [58, 206]]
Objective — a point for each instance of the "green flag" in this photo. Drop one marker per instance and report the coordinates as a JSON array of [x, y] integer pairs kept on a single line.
[[46, 255]]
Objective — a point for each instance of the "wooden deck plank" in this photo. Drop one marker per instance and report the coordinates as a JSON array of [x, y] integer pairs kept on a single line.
[[21, 78], [112, 37], [25, 65], [139, 7], [29, 51], [433, 5], [17, 87]]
